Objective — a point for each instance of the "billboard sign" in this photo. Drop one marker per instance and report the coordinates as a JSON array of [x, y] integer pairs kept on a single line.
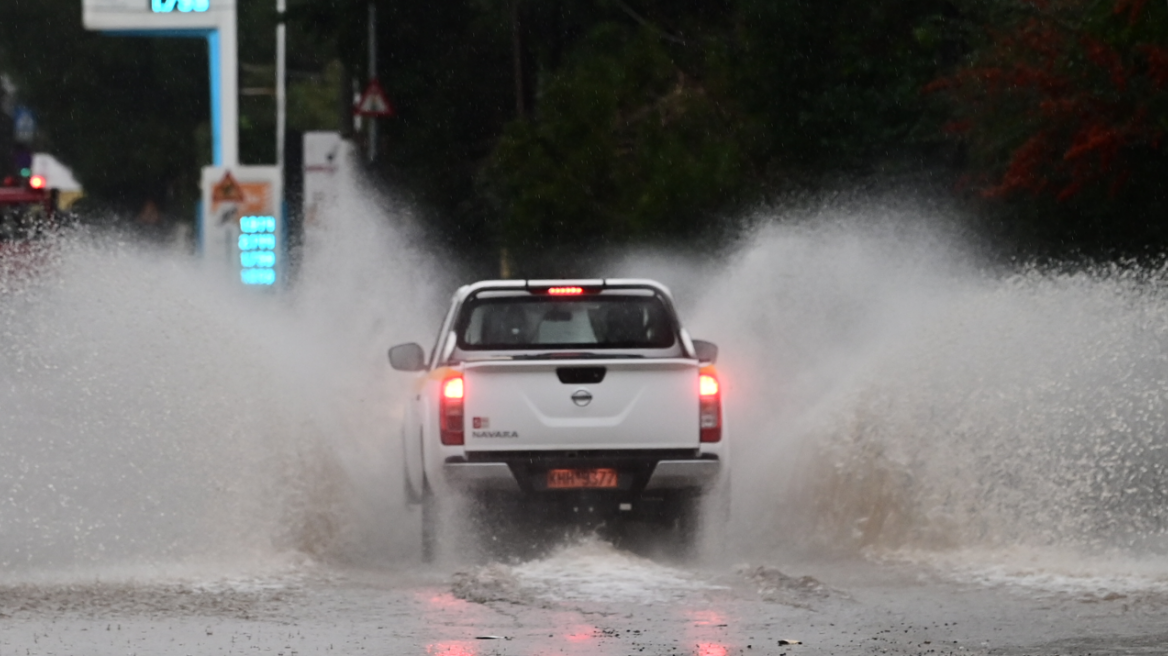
[[142, 15], [242, 222]]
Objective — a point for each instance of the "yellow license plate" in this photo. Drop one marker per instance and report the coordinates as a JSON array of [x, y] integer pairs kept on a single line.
[[567, 479]]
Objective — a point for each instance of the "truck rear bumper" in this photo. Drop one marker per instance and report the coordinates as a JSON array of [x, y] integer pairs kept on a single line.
[[480, 476], [500, 476], [670, 474]]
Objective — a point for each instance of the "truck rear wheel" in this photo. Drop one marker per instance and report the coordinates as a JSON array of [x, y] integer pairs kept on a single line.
[[431, 524], [682, 513]]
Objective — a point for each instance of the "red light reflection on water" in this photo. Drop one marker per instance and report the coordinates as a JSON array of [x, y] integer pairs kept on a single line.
[[456, 648], [712, 649], [581, 633], [445, 601], [707, 618]]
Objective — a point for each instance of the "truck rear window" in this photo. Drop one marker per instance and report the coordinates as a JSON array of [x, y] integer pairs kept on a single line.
[[514, 322]]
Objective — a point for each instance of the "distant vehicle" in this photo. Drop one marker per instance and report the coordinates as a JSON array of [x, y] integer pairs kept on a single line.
[[552, 399], [27, 213]]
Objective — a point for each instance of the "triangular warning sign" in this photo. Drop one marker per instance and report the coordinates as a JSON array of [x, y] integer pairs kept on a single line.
[[373, 102], [227, 190]]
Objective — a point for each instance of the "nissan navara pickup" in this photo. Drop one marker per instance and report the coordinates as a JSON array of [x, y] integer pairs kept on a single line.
[[561, 399]]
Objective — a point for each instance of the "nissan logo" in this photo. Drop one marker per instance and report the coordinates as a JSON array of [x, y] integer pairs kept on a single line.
[[581, 397]]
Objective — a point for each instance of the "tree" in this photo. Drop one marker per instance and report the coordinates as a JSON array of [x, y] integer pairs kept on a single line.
[[1065, 105], [665, 120], [627, 147]]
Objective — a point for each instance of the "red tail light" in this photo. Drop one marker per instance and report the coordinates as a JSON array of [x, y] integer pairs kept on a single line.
[[450, 411], [710, 407], [37, 182], [566, 291]]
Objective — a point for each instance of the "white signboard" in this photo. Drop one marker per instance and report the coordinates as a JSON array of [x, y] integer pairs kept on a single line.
[[242, 223], [135, 15], [326, 158]]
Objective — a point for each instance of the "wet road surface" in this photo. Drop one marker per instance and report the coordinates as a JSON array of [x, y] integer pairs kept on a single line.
[[588, 599]]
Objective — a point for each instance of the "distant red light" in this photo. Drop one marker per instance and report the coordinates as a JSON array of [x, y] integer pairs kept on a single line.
[[566, 291], [37, 182]]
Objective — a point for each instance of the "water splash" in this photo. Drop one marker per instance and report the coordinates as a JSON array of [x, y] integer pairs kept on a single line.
[[889, 391], [153, 413]]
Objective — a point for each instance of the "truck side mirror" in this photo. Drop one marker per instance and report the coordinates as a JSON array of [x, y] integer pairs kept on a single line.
[[407, 357], [707, 352]]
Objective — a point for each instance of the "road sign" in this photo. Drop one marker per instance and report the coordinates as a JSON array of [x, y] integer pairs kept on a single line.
[[23, 125], [374, 101], [242, 222]]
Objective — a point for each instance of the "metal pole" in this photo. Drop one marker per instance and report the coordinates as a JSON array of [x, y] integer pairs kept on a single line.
[[281, 84], [372, 77], [229, 78]]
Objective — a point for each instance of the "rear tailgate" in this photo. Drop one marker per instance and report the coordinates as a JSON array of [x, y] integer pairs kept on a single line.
[[523, 405]]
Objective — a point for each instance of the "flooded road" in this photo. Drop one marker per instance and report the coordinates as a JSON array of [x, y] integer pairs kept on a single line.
[[588, 599], [930, 455]]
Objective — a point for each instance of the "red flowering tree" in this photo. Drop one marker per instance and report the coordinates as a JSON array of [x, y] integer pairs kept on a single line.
[[1064, 97]]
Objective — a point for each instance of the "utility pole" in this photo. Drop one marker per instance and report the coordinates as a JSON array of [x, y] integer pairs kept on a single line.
[[372, 78], [517, 60], [281, 82]]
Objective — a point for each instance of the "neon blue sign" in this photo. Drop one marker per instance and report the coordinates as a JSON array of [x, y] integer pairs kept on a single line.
[[257, 250], [184, 6]]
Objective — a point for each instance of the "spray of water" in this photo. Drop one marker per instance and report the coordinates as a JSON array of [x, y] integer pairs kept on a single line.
[[153, 414], [891, 394], [886, 393]]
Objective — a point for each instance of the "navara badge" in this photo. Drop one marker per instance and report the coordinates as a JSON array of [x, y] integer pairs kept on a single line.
[[581, 397]]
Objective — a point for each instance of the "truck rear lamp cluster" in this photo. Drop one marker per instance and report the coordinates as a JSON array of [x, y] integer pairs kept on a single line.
[[450, 415], [709, 408]]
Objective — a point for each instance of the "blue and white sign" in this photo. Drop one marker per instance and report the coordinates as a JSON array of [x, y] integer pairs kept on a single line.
[[23, 125], [157, 15], [185, 6]]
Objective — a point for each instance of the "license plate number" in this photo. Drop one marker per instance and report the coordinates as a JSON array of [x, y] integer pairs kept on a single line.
[[567, 479]]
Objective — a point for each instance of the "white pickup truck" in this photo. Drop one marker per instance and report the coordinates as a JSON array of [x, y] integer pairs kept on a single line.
[[562, 399]]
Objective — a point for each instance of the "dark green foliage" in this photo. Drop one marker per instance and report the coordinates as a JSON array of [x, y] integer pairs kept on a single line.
[[624, 146], [665, 120]]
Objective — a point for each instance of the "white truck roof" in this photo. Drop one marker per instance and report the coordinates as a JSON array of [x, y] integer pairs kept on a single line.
[[604, 283]]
